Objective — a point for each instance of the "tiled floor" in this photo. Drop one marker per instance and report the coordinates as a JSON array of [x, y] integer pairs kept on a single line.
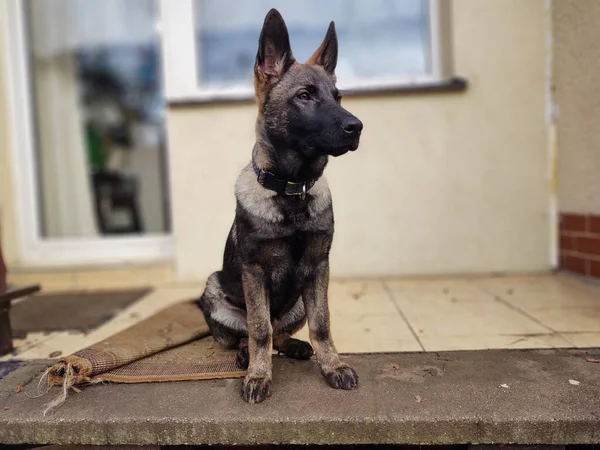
[[400, 314]]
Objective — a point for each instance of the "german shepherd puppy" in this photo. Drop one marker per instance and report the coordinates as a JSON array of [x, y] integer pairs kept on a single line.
[[275, 271]]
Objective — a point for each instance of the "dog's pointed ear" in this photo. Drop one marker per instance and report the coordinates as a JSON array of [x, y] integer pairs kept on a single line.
[[327, 53], [274, 57]]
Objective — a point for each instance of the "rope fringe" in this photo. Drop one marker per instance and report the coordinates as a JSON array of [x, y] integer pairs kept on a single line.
[[64, 374]]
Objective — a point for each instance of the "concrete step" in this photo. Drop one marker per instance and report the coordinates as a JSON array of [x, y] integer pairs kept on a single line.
[[533, 397], [302, 447]]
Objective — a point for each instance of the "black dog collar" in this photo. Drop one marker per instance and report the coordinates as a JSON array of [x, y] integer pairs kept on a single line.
[[269, 181]]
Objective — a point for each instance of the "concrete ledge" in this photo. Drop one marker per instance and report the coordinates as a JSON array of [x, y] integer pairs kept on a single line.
[[410, 398]]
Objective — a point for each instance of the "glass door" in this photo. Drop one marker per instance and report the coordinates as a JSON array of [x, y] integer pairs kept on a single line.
[[96, 188]]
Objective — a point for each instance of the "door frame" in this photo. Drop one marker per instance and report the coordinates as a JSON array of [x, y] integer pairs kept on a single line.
[[36, 251]]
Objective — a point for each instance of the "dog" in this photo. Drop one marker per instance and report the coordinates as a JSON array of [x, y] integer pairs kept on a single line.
[[275, 272]]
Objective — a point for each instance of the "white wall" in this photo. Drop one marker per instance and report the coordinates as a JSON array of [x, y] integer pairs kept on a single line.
[[576, 61], [443, 183]]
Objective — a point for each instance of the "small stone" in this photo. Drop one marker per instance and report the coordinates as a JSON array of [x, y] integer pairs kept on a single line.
[[505, 386], [574, 382]]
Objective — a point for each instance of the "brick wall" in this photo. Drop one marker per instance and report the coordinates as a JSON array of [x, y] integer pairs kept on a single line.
[[580, 244]]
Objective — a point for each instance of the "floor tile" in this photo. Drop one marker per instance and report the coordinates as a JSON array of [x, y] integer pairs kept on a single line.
[[30, 343], [427, 287], [360, 299], [125, 277], [583, 340], [49, 282], [100, 278], [493, 341], [561, 303], [461, 312], [369, 334], [568, 318], [541, 291], [57, 344], [365, 319]]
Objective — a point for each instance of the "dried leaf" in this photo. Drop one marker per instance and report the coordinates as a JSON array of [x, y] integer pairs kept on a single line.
[[592, 360], [18, 388], [418, 399], [574, 382], [505, 386]]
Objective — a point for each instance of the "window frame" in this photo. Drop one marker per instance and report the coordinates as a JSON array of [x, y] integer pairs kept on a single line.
[[180, 55]]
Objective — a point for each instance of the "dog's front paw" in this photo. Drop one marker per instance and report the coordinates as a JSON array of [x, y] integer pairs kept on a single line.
[[341, 377], [256, 389]]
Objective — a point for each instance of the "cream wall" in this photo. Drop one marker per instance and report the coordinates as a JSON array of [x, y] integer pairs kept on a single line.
[[576, 65], [8, 228], [441, 183]]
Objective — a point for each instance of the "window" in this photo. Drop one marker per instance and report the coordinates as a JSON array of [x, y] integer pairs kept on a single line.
[[210, 45]]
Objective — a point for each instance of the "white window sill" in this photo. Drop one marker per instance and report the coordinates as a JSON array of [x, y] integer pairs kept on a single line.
[[454, 84]]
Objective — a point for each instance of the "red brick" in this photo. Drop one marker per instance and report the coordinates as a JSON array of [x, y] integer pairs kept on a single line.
[[588, 245], [573, 222], [573, 264], [594, 268], [594, 224], [568, 243]]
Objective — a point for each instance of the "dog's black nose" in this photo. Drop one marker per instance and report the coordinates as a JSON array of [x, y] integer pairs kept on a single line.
[[352, 125]]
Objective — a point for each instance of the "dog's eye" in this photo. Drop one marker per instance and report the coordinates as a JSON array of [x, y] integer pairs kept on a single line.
[[337, 95], [303, 95]]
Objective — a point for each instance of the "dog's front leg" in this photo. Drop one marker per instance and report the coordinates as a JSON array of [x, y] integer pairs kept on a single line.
[[339, 375], [257, 384]]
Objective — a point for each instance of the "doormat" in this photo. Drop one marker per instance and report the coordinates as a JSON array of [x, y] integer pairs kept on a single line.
[[172, 345], [82, 311]]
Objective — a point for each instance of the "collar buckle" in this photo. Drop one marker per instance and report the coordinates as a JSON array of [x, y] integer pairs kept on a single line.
[[301, 194]]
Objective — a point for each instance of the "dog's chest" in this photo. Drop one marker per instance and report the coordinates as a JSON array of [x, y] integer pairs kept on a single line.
[[300, 240], [287, 249], [286, 252], [298, 216], [288, 264]]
